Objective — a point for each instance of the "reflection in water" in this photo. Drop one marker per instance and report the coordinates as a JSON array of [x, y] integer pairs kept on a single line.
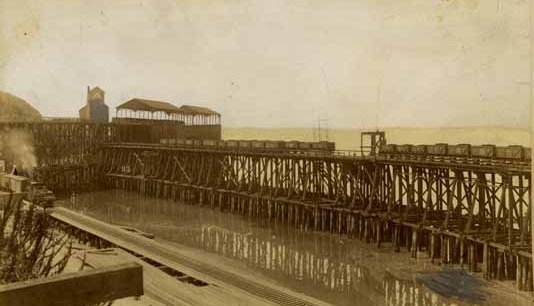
[[327, 267]]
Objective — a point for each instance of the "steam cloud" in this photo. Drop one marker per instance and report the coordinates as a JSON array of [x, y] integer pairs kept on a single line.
[[17, 146]]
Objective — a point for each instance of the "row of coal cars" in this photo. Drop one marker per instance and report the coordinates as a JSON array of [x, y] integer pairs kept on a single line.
[[263, 145], [513, 152]]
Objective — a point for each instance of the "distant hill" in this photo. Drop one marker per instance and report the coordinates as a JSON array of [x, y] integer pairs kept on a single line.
[[15, 108]]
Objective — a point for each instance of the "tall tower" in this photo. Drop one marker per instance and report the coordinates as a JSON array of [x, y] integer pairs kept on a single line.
[[95, 109]]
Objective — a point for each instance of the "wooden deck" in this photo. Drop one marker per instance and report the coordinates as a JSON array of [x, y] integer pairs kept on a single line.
[[218, 283]]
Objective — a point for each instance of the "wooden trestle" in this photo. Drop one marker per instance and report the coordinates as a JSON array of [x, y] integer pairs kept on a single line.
[[64, 151], [468, 212], [458, 212]]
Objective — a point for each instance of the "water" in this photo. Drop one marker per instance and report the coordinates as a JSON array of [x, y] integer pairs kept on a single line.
[[327, 267]]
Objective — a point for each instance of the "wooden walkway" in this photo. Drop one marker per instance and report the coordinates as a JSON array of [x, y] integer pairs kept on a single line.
[[170, 260]]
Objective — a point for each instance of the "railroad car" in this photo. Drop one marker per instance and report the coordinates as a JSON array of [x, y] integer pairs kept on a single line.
[[404, 149], [510, 152], [528, 154], [209, 143], [437, 149], [180, 142], [517, 152], [331, 146], [501, 152], [258, 144], [274, 145], [304, 145], [221, 144], [484, 151], [419, 149], [246, 144], [387, 149], [487, 151], [292, 145], [164, 141], [197, 142], [172, 141], [189, 142], [232, 144], [462, 150], [320, 146], [442, 148]]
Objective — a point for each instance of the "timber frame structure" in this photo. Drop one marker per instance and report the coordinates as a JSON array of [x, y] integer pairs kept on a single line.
[[464, 212], [65, 152]]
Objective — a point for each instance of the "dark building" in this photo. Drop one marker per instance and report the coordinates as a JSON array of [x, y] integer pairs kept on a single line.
[[95, 109]]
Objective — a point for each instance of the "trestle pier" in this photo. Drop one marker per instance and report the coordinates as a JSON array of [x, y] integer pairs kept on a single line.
[[465, 213]]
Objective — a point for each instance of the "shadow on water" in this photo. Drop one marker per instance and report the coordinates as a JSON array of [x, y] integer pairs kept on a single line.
[[454, 283], [330, 268]]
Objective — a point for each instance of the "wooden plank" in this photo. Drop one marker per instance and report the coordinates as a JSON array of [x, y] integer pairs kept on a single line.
[[80, 288]]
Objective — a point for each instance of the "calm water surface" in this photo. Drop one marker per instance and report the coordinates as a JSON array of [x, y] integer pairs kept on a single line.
[[327, 267]]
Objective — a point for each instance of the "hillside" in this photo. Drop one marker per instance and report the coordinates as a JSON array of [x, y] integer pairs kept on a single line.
[[15, 108]]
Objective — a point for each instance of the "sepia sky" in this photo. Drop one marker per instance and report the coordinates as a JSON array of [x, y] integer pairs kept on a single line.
[[356, 63]]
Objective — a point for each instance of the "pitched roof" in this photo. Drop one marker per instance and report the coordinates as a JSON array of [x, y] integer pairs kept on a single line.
[[96, 94], [197, 110], [150, 106], [137, 104], [96, 88]]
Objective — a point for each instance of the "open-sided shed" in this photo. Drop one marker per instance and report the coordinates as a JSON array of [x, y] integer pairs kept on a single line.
[[159, 110]]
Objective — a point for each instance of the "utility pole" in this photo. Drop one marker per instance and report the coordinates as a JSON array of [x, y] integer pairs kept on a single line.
[[318, 132], [319, 128], [326, 131]]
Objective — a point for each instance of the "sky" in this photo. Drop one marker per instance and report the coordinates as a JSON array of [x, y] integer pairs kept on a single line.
[[277, 63]]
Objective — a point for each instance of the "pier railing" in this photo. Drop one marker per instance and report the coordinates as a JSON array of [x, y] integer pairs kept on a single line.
[[88, 287]]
